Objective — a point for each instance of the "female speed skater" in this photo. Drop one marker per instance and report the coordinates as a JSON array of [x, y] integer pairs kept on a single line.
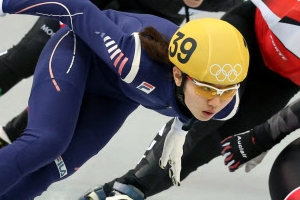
[[118, 61], [263, 86], [268, 79], [19, 62]]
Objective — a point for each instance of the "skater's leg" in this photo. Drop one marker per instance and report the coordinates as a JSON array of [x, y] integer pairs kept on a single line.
[[19, 61]]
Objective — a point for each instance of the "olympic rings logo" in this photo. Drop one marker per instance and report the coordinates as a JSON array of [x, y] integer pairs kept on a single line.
[[227, 71]]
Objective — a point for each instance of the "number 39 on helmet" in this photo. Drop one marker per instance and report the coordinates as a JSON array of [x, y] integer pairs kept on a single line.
[[210, 50]]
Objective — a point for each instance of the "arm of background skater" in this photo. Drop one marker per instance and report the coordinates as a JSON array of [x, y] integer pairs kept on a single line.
[[240, 148]]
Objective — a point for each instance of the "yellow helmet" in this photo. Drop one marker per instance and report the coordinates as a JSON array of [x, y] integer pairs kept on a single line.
[[210, 50]]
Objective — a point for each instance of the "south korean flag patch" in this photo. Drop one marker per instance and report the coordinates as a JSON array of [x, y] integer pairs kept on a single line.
[[146, 87]]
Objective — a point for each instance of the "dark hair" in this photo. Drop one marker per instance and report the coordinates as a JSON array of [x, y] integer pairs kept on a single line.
[[155, 45]]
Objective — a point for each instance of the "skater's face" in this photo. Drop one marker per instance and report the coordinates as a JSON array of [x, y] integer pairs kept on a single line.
[[193, 3], [203, 104]]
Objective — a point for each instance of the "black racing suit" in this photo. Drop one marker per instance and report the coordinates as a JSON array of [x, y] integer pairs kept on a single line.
[[284, 176], [169, 9]]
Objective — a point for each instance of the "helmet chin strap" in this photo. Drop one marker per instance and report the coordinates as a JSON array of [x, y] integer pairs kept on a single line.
[[179, 90], [182, 106]]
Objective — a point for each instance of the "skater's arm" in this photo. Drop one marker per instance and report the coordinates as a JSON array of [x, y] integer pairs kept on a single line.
[[108, 33], [240, 148]]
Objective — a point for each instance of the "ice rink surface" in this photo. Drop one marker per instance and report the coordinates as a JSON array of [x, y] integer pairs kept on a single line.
[[210, 182]]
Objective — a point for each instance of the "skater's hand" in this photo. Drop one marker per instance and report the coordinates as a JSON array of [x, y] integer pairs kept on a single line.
[[239, 149], [173, 150], [96, 193]]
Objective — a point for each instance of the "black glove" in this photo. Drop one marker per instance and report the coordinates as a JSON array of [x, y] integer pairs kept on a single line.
[[239, 149]]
